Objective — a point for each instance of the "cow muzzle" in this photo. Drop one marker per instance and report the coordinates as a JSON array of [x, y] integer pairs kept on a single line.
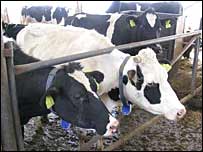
[[111, 126], [176, 114]]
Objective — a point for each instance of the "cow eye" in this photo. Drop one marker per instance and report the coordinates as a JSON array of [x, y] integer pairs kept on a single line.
[[151, 84]]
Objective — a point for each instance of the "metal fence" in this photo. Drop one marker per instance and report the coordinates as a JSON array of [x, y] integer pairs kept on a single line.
[[10, 124]]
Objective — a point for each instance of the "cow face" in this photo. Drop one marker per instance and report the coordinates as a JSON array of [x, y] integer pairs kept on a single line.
[[77, 103], [145, 27], [11, 30], [148, 87]]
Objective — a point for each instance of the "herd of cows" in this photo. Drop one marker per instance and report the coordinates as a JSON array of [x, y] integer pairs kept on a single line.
[[86, 92]]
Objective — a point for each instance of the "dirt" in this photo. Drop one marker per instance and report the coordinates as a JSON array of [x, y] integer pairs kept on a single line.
[[184, 135]]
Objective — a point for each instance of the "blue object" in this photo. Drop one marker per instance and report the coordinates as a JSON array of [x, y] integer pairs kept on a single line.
[[114, 113], [65, 124], [126, 109]]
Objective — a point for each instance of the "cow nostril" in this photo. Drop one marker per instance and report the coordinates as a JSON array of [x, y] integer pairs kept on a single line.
[[114, 129], [181, 113]]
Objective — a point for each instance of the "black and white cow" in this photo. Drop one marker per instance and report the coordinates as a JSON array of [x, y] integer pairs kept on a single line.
[[163, 7], [45, 14], [12, 30], [143, 79], [122, 29], [72, 92]]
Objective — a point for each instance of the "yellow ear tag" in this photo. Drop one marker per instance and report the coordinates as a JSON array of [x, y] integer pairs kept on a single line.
[[49, 102], [168, 24], [132, 23], [166, 66]]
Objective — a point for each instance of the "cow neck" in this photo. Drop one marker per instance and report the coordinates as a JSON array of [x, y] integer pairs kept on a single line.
[[122, 97], [50, 78]]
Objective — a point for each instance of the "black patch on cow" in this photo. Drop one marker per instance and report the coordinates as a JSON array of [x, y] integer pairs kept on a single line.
[[91, 21], [98, 76], [37, 12], [59, 13], [152, 93], [93, 84], [11, 30], [94, 76], [140, 78], [125, 79], [114, 94], [132, 82], [71, 67]]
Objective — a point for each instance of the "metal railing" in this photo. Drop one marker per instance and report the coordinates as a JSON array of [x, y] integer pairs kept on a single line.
[[11, 139]]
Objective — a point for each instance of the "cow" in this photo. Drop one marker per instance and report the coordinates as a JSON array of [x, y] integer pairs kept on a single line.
[[11, 30], [139, 79], [70, 90], [162, 7], [44, 14], [122, 28]]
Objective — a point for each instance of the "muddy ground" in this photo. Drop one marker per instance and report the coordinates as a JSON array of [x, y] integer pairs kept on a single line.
[[184, 135]]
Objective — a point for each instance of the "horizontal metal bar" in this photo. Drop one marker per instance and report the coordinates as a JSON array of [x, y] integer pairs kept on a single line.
[[42, 64], [162, 15]]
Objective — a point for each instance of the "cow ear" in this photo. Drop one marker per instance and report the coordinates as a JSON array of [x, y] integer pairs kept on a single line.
[[131, 21], [131, 74], [137, 59], [52, 91]]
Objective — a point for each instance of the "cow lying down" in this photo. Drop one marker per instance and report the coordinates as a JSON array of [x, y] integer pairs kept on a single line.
[[71, 92], [142, 79]]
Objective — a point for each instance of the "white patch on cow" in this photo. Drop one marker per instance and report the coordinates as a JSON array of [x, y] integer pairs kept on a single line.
[[52, 11], [138, 7], [80, 77], [43, 19], [79, 16], [62, 21], [112, 21], [112, 122], [6, 39], [151, 18]]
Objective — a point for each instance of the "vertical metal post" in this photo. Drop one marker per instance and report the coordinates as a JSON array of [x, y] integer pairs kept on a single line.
[[8, 140], [12, 90], [195, 61]]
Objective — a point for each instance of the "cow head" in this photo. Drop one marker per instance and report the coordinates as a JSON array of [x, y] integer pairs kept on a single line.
[[74, 101], [11, 30], [147, 86], [145, 27]]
